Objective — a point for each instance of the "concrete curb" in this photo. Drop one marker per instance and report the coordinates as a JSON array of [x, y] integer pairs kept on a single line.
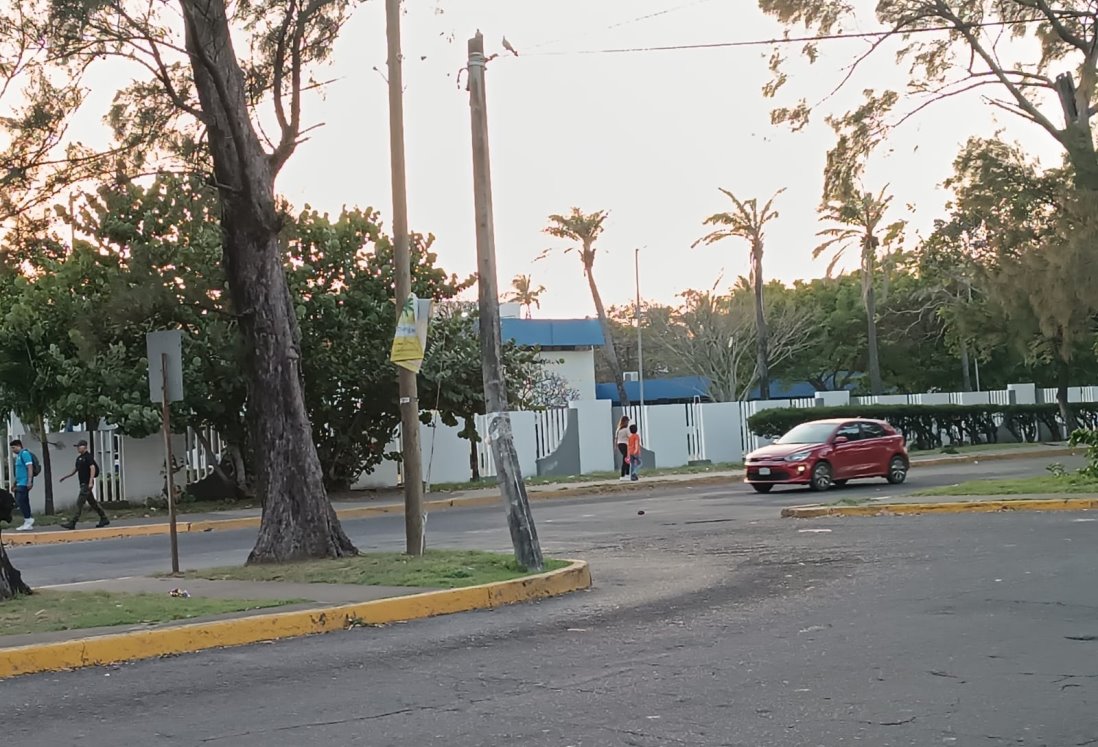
[[52, 537], [183, 639], [957, 507]]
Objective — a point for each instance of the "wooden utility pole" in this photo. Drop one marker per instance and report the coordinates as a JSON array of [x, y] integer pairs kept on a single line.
[[409, 396], [524, 535]]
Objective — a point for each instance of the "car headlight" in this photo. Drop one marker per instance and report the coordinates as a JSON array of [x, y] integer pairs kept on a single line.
[[800, 456]]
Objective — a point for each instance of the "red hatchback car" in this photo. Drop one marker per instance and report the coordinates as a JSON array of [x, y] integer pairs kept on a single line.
[[823, 453]]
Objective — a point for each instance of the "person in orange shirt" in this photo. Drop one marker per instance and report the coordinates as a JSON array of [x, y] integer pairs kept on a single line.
[[634, 452]]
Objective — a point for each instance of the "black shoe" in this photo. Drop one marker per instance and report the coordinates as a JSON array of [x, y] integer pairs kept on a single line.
[[69, 525], [103, 522]]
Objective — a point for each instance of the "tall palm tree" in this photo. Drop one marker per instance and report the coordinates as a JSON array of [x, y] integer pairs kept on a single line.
[[525, 294], [858, 221], [747, 221], [584, 230]]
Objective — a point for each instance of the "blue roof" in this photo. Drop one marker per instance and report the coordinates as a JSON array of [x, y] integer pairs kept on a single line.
[[681, 388], [553, 333]]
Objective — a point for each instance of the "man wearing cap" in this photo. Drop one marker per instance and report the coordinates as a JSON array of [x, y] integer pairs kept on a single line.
[[86, 471]]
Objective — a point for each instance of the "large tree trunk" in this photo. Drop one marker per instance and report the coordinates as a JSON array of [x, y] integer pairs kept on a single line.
[[608, 349], [876, 386], [762, 341], [298, 520], [11, 581]]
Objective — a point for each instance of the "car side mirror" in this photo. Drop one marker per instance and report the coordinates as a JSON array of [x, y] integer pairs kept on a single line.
[[840, 440]]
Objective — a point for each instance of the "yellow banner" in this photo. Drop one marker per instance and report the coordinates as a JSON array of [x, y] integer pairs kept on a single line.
[[410, 340]]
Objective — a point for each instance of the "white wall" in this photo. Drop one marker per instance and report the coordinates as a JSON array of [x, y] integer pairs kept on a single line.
[[596, 435], [577, 367], [143, 466], [834, 399], [667, 434], [722, 431]]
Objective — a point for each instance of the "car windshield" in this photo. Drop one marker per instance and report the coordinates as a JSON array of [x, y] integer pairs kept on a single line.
[[808, 433]]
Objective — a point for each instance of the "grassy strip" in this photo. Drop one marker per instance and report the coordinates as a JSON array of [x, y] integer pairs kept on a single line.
[[1039, 485], [437, 569], [47, 611]]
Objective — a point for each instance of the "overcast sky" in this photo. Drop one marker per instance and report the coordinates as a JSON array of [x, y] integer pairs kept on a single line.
[[649, 136]]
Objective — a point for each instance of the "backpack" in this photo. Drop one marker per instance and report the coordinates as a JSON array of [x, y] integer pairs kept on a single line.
[[36, 466]]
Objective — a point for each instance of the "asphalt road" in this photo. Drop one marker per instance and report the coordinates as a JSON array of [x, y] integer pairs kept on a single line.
[[915, 631], [571, 526]]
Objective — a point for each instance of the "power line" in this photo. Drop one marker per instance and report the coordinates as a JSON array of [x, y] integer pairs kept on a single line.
[[784, 40], [628, 22]]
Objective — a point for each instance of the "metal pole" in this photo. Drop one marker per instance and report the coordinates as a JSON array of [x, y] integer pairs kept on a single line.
[[409, 396], [520, 521], [166, 411], [640, 338]]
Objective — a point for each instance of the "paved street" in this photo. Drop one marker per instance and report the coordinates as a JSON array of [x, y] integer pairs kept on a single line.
[[566, 526], [712, 623]]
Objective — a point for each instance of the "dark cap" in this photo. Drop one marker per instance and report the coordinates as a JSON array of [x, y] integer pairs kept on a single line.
[[81, 443]]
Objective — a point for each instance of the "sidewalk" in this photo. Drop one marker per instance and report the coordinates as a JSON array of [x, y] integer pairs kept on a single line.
[[391, 502]]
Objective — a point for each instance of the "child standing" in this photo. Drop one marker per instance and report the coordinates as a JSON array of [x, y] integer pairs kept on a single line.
[[634, 452]]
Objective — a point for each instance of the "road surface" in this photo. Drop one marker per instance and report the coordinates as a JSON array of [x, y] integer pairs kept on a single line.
[[566, 526]]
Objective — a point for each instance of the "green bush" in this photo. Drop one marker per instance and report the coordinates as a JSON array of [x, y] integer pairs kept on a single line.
[[1087, 437], [930, 426]]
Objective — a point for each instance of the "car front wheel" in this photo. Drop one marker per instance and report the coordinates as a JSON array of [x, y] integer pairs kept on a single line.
[[821, 477], [897, 470], [762, 487]]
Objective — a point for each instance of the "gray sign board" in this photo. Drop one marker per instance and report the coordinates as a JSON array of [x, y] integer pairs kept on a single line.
[[158, 344]]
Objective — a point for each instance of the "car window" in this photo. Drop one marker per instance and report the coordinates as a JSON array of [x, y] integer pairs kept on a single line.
[[851, 431], [808, 433], [873, 430]]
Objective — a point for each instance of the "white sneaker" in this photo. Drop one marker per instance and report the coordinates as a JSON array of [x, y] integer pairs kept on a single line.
[[27, 525], [625, 478]]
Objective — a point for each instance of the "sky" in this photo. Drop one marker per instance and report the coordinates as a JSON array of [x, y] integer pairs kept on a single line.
[[648, 136]]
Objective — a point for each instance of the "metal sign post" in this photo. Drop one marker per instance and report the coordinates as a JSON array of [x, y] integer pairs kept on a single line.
[[165, 352]]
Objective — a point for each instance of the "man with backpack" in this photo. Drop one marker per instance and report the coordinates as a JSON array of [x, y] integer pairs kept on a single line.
[[26, 469], [86, 470]]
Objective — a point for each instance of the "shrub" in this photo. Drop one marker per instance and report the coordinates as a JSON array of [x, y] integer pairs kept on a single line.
[[930, 426], [1087, 437]]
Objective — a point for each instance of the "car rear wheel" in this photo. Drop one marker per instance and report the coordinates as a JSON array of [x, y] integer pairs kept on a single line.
[[821, 477], [897, 470], [761, 487]]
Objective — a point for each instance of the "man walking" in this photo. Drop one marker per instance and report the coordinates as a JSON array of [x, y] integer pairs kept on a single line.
[[24, 481], [86, 470]]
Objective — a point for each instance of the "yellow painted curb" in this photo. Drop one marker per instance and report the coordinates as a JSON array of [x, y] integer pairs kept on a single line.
[[183, 639], [956, 507]]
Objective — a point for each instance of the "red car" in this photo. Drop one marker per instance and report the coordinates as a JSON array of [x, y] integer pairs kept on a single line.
[[823, 453]]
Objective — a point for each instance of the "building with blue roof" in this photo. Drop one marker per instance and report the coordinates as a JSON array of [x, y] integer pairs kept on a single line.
[[567, 345]]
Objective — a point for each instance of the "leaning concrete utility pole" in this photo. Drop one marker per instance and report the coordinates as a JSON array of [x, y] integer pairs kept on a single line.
[[524, 535], [409, 396]]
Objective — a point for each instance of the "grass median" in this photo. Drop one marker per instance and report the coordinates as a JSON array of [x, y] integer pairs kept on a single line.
[[437, 569], [49, 611], [1069, 484]]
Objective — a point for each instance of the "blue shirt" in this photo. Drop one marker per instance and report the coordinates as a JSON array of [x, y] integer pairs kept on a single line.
[[23, 468]]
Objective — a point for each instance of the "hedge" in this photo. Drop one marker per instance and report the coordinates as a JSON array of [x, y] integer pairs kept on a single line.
[[929, 426]]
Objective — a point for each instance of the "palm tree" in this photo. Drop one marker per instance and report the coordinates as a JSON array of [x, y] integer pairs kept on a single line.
[[525, 294], [857, 221], [584, 229], [747, 222]]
